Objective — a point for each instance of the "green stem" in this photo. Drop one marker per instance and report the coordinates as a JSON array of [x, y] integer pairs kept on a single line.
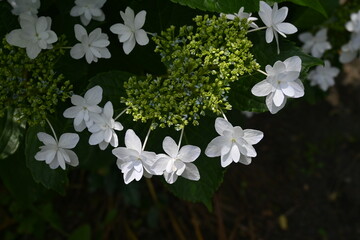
[[52, 129], [146, 138]]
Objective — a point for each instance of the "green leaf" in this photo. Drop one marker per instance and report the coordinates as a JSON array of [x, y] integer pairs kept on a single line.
[[55, 179], [211, 172], [11, 132], [314, 4], [221, 6], [83, 232]]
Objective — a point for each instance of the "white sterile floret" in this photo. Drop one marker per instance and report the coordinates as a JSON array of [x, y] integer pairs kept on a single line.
[[103, 129], [55, 153], [354, 24], [132, 160], [131, 32], [243, 15], [323, 76], [274, 18], [92, 46], [316, 45], [234, 144], [177, 161], [87, 10], [85, 108], [282, 81], [348, 53], [34, 35], [25, 6]]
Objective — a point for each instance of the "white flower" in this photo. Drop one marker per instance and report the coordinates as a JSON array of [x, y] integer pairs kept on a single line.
[[234, 144], [87, 10], [103, 129], [243, 15], [25, 6], [273, 19], [354, 24], [177, 162], [92, 46], [316, 45], [132, 160], [85, 108], [131, 31], [57, 153], [323, 76], [281, 82], [34, 35]]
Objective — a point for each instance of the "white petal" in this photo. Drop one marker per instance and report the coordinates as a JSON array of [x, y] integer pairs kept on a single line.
[[271, 106], [269, 35], [46, 138], [68, 140], [60, 159], [80, 32], [189, 153], [253, 136], [108, 110], [278, 97], [191, 172], [170, 177], [96, 138], [77, 51], [262, 88], [170, 147], [93, 96], [286, 28], [74, 161], [235, 153], [129, 45], [15, 38], [141, 37], [33, 50], [265, 13], [293, 64], [132, 141], [140, 19], [222, 125], [226, 159], [217, 146]]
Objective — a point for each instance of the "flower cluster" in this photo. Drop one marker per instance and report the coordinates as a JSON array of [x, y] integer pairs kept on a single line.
[[31, 86], [350, 50], [201, 62]]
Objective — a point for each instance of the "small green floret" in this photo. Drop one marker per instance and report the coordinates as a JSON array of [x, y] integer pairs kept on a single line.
[[202, 62], [32, 87]]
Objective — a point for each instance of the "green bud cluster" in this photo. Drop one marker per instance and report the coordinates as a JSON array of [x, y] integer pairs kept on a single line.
[[202, 61], [31, 86]]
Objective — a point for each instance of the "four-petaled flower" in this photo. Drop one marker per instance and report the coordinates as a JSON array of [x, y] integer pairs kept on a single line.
[[87, 10], [93, 46], [243, 15], [85, 108], [316, 45], [56, 153], [274, 18], [234, 144], [323, 76], [25, 6], [131, 32], [132, 160], [282, 81], [34, 35], [177, 162], [103, 129]]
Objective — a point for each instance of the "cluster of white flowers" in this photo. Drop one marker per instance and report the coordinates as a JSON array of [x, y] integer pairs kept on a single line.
[[35, 34], [350, 51]]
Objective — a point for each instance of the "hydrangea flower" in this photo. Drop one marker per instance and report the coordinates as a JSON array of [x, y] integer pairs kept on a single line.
[[57, 153], [132, 160], [25, 6], [178, 162], [85, 108], [131, 32], [234, 144], [282, 81], [274, 18], [103, 129], [92, 46], [323, 76], [34, 35], [243, 15], [348, 53], [87, 10], [354, 24], [316, 45]]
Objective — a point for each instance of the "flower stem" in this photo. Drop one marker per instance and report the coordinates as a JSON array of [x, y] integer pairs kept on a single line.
[[146, 138], [261, 71], [181, 136], [52, 129], [256, 29], [224, 115], [121, 113]]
